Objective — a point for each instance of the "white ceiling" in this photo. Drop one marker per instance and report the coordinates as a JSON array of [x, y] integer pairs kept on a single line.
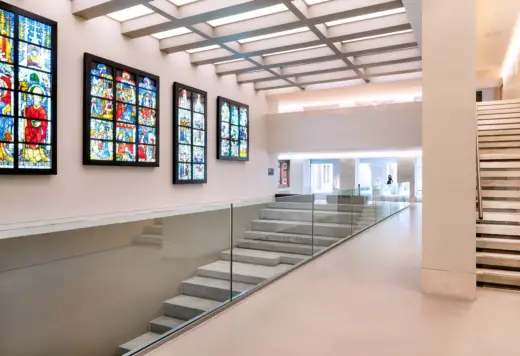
[[275, 43]]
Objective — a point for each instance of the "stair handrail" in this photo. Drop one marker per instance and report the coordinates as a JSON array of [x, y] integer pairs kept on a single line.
[[479, 184]]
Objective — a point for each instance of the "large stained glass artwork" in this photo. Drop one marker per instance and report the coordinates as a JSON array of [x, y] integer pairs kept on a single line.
[[121, 115], [27, 92], [189, 131], [233, 130]]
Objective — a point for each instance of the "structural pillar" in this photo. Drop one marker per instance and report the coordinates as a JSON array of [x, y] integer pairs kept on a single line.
[[406, 173], [348, 173], [449, 139]]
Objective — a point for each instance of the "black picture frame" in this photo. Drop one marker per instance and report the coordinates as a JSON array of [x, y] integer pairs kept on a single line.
[[177, 87], [221, 101], [89, 60], [53, 170]]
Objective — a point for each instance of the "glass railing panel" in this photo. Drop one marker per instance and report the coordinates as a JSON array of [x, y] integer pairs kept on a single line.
[[92, 291]]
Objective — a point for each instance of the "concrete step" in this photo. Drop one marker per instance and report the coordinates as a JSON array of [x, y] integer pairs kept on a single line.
[[487, 139], [149, 240], [501, 243], [272, 246], [504, 144], [499, 116], [498, 229], [498, 259], [138, 342], [164, 323], [501, 110], [186, 307], [212, 288], [501, 204], [497, 104], [500, 174], [485, 121], [498, 133], [500, 126], [153, 230], [509, 278], [242, 272], [308, 215], [260, 257], [301, 227], [501, 217], [500, 165], [317, 207], [290, 238], [497, 193], [500, 183]]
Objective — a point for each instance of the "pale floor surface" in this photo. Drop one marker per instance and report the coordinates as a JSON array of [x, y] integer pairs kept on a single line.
[[363, 298]]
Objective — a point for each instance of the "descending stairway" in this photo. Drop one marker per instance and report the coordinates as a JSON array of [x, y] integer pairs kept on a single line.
[[498, 233], [281, 238]]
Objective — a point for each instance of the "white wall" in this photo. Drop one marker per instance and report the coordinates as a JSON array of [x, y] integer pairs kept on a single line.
[[512, 82], [80, 190], [384, 127]]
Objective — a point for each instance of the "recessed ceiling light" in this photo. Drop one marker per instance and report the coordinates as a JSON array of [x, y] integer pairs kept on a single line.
[[314, 2], [293, 50], [248, 15], [366, 17], [171, 33], [182, 2], [230, 61], [272, 35], [377, 36], [130, 13], [202, 49]]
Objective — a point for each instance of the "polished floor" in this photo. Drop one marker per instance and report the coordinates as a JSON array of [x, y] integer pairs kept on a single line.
[[363, 298]]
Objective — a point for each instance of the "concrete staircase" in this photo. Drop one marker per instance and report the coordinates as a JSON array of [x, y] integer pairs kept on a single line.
[[280, 239], [498, 233]]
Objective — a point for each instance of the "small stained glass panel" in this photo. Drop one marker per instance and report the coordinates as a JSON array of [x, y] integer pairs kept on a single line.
[[101, 70], [101, 88], [101, 150], [147, 135], [224, 112], [198, 121], [6, 50], [34, 32], [185, 171], [125, 152], [147, 154], [198, 171], [184, 118], [147, 117], [184, 99], [126, 113], [6, 23], [147, 98], [6, 129], [34, 57], [198, 138], [198, 103], [34, 156], [101, 109], [6, 155], [6, 76], [34, 82], [34, 106], [34, 131], [184, 153], [184, 135], [198, 155], [125, 93], [101, 129], [125, 132], [234, 115]]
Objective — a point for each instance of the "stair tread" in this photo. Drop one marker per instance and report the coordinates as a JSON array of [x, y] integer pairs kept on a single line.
[[249, 269], [498, 272], [193, 302], [507, 256], [261, 253], [219, 283], [168, 321], [140, 341], [324, 212], [277, 243], [267, 233], [292, 222], [498, 240]]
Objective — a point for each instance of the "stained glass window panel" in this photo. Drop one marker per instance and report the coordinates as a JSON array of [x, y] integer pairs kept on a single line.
[[125, 132], [147, 117], [34, 156], [6, 49], [34, 32], [101, 150], [184, 99], [225, 147], [101, 70], [101, 129], [6, 102], [184, 153], [185, 171], [34, 82], [34, 131], [147, 153], [199, 155], [198, 103], [147, 135], [243, 117], [34, 106], [224, 131], [198, 121], [6, 129], [184, 118], [125, 152], [243, 149], [6, 23], [234, 129], [234, 133], [34, 57], [125, 93], [198, 138], [101, 88], [234, 149], [234, 115], [6, 76], [224, 112], [243, 133], [198, 171], [184, 135], [147, 98], [126, 113], [6, 155], [102, 109]]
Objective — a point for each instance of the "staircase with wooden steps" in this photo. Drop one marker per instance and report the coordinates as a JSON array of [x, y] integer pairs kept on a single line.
[[282, 237], [498, 233]]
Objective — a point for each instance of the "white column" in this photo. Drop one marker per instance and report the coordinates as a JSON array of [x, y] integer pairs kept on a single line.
[[406, 173], [449, 136], [348, 173]]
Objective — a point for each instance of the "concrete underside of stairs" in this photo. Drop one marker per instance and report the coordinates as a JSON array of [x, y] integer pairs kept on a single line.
[[498, 233], [285, 234]]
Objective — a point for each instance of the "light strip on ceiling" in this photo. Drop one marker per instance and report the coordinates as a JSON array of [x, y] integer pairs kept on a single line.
[[378, 36], [182, 2], [366, 17], [314, 2], [130, 13], [358, 154], [513, 52], [202, 49], [273, 35], [248, 15], [293, 50], [171, 33], [230, 61]]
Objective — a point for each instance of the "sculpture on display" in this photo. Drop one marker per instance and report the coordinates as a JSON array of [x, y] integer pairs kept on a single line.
[[28, 56], [232, 130], [121, 115], [190, 135]]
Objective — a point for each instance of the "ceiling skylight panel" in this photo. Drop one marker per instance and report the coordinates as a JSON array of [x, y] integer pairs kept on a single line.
[[229, 61], [377, 36], [182, 2], [130, 13], [366, 17], [273, 35], [202, 49], [314, 2], [171, 33], [293, 50], [248, 15]]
